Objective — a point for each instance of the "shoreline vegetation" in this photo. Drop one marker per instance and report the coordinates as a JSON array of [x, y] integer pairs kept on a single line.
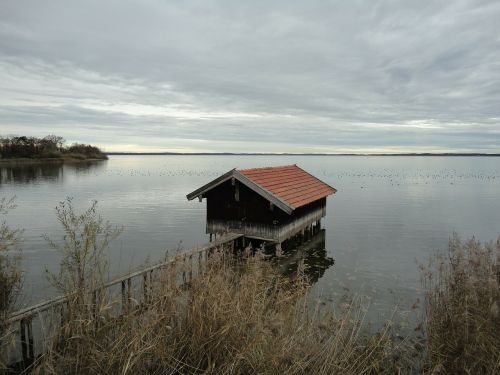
[[239, 315], [52, 148]]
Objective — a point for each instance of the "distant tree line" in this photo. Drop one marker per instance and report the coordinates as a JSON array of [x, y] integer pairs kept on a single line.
[[51, 146]]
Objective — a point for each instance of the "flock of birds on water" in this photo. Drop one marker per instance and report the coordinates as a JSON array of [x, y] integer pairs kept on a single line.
[[392, 176], [363, 178]]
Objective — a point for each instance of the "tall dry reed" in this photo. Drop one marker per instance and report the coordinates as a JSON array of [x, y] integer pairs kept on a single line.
[[462, 309], [10, 270], [237, 317]]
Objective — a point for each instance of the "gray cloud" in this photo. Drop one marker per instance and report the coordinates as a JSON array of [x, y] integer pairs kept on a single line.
[[327, 76]]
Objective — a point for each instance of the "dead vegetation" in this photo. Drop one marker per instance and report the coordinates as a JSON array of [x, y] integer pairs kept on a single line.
[[10, 269], [233, 319], [462, 309], [239, 315]]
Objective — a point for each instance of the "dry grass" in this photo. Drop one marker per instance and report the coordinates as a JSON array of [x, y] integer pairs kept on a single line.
[[239, 315], [239, 318], [462, 308], [10, 269]]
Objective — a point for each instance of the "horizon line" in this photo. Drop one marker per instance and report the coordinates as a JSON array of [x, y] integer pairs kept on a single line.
[[307, 153]]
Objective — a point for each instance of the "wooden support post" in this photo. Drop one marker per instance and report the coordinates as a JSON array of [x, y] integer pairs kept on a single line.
[[62, 314], [150, 292], [31, 346], [184, 270], [210, 237], [145, 286], [27, 345], [129, 293], [124, 298], [190, 268], [279, 251], [95, 305], [24, 346]]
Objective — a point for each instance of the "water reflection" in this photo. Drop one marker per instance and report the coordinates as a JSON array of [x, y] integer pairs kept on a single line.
[[311, 255], [27, 173], [86, 167]]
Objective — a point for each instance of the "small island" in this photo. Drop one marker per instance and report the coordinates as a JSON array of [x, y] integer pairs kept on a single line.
[[49, 148]]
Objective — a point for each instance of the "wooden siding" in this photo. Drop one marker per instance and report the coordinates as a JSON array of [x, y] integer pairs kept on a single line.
[[269, 232], [224, 204]]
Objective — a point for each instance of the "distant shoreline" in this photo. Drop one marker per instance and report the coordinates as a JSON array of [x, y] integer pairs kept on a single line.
[[46, 160], [293, 154]]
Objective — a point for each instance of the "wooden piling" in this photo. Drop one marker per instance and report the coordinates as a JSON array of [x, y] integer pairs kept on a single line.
[[27, 345], [278, 250], [124, 298]]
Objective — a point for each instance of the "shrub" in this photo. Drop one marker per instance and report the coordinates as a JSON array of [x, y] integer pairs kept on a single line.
[[51, 154], [74, 155], [83, 266]]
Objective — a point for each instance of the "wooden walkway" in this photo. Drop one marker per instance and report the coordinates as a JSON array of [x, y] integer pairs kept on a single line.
[[20, 325]]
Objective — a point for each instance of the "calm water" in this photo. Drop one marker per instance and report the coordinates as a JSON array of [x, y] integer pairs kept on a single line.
[[388, 213]]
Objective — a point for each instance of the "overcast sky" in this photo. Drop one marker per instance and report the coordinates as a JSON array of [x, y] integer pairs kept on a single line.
[[265, 76]]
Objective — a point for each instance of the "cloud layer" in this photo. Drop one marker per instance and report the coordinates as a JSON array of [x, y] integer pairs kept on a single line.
[[282, 76]]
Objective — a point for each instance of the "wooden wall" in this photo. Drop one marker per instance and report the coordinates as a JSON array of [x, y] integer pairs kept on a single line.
[[239, 203]]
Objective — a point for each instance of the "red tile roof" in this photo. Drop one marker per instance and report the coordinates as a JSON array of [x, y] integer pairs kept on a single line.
[[290, 184]]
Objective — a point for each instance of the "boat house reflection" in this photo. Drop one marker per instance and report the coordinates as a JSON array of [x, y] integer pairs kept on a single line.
[[310, 257], [53, 171]]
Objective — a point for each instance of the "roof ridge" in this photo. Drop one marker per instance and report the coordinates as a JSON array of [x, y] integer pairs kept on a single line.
[[274, 167]]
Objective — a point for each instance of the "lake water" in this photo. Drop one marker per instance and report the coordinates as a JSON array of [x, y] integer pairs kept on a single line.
[[388, 214]]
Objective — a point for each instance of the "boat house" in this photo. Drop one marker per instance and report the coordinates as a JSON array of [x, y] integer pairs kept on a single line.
[[270, 204]]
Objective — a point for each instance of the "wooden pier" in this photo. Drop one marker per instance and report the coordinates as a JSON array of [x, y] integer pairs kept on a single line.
[[25, 328]]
